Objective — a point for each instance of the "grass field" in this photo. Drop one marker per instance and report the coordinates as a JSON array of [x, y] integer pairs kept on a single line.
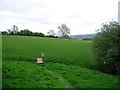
[[70, 64]]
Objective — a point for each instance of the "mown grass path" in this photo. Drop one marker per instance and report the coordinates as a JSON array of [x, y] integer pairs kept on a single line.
[[60, 78]]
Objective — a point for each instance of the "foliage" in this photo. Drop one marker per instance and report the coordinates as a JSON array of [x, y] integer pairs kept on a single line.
[[64, 31], [38, 34], [51, 33], [4, 33], [107, 48], [25, 32], [13, 30], [50, 36]]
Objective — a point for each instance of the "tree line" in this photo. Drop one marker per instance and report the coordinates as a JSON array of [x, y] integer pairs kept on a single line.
[[25, 32], [62, 33]]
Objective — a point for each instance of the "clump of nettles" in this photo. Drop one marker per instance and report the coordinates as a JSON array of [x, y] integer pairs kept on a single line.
[[106, 47]]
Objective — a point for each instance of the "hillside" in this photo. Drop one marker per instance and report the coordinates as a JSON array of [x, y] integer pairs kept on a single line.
[[70, 64], [83, 36]]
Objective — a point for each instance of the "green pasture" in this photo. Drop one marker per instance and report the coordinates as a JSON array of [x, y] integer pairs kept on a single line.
[[70, 64], [72, 52]]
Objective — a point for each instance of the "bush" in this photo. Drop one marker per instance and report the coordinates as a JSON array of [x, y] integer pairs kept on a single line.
[[106, 47]]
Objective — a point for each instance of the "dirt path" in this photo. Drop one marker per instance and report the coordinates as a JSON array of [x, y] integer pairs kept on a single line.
[[61, 79]]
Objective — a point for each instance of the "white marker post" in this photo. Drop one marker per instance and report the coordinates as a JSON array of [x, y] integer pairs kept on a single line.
[[42, 55]]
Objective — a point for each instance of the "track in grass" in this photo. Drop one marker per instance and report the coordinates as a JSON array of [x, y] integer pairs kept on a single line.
[[83, 77], [21, 74], [60, 78]]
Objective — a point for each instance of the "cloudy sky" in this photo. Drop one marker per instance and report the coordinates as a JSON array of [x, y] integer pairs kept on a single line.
[[81, 16]]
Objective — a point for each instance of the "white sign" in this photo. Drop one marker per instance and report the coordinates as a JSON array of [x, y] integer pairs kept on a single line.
[[40, 60]]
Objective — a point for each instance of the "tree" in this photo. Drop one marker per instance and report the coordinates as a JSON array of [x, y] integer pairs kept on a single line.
[[41, 35], [38, 34], [13, 30], [9, 31], [25, 32], [106, 47], [4, 33], [64, 31], [35, 34], [51, 33]]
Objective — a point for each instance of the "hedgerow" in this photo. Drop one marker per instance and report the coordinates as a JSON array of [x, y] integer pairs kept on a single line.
[[106, 46]]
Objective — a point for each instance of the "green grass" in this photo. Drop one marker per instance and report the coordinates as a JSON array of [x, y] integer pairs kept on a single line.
[[83, 77], [19, 74], [55, 50], [68, 61]]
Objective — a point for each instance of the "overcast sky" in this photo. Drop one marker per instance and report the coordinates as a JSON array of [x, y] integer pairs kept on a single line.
[[81, 16]]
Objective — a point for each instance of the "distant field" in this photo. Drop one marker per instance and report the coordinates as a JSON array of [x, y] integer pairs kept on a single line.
[[74, 52], [68, 61]]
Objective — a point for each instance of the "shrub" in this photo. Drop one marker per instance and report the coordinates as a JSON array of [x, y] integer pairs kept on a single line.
[[106, 46]]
